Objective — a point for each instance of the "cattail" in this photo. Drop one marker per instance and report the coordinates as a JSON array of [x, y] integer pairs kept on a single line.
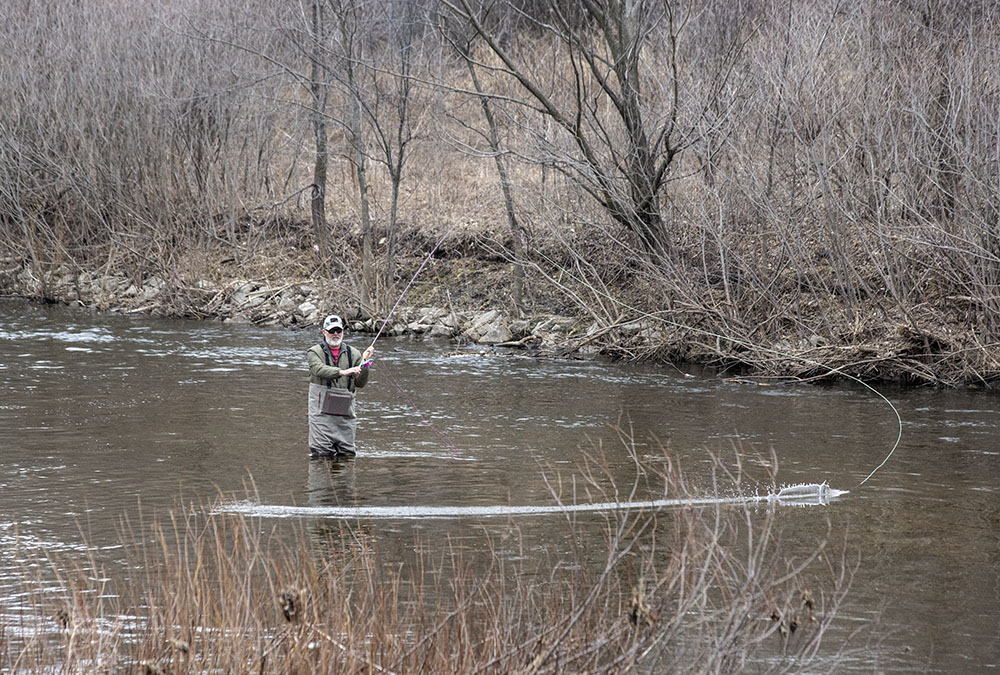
[[639, 610], [62, 617], [809, 603], [292, 602]]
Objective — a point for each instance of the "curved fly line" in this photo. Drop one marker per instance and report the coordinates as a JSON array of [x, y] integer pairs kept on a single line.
[[694, 329]]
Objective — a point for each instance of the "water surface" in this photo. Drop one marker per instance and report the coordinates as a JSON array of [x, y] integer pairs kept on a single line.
[[99, 414]]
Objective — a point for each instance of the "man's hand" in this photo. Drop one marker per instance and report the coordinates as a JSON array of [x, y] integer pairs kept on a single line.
[[367, 356], [356, 370]]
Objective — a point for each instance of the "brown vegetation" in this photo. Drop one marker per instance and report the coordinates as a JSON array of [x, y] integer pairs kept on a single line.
[[773, 185], [711, 589]]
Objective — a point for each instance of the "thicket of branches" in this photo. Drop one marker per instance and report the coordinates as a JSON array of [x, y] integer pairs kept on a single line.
[[791, 174]]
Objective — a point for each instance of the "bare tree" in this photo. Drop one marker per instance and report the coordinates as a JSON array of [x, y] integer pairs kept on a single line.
[[390, 106], [619, 111], [347, 53], [319, 91], [464, 45]]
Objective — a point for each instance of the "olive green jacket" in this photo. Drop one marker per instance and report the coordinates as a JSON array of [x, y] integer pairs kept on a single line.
[[320, 373]]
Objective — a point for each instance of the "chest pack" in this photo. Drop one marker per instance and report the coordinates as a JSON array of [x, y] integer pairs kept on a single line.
[[338, 401], [350, 363]]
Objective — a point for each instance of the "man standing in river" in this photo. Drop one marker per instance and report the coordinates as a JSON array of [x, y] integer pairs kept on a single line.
[[336, 371]]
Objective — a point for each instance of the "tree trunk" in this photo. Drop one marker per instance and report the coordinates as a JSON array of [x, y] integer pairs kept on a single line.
[[516, 231], [319, 94], [361, 173]]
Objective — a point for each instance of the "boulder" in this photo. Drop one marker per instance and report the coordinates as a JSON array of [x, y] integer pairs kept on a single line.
[[556, 324], [242, 293], [488, 328], [440, 330], [485, 318], [520, 328], [496, 333], [151, 288], [308, 311], [430, 315]]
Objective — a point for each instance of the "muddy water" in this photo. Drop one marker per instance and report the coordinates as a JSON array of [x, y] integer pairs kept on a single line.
[[99, 414]]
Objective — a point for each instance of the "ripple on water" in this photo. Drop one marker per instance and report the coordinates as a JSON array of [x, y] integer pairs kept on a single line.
[[417, 454], [801, 495]]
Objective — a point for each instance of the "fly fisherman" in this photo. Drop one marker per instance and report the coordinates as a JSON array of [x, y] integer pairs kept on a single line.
[[336, 370]]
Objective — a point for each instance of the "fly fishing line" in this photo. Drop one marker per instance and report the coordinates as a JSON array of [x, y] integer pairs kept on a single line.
[[656, 317], [748, 345]]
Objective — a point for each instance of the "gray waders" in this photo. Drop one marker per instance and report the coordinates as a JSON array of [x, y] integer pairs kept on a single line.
[[330, 435]]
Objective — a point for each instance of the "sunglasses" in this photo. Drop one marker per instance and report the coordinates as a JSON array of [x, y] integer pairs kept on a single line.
[[335, 330]]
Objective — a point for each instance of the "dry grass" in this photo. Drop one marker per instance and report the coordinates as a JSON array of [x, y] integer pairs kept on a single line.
[[694, 590]]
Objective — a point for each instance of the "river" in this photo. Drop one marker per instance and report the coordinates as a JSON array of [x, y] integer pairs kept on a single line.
[[99, 414]]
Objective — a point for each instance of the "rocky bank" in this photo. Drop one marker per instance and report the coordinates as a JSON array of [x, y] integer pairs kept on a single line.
[[473, 312], [294, 305]]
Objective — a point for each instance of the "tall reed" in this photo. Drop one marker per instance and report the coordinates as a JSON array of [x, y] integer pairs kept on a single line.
[[707, 589]]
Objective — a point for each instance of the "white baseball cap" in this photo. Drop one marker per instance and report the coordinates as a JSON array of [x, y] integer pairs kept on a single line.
[[333, 321]]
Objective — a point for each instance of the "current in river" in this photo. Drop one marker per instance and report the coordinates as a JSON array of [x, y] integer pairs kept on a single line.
[[99, 414]]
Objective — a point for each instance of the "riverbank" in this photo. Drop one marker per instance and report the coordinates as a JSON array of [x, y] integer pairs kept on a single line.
[[294, 303], [464, 297]]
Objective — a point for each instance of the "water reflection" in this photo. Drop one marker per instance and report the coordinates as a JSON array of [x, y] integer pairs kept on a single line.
[[331, 483]]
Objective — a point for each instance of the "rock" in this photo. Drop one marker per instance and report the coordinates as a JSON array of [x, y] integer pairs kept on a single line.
[[151, 288], [108, 285], [556, 324], [439, 330], [430, 315], [308, 311], [496, 334], [485, 318], [488, 328], [520, 328], [242, 293]]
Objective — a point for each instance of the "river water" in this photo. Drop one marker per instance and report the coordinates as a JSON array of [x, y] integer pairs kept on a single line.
[[99, 414]]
